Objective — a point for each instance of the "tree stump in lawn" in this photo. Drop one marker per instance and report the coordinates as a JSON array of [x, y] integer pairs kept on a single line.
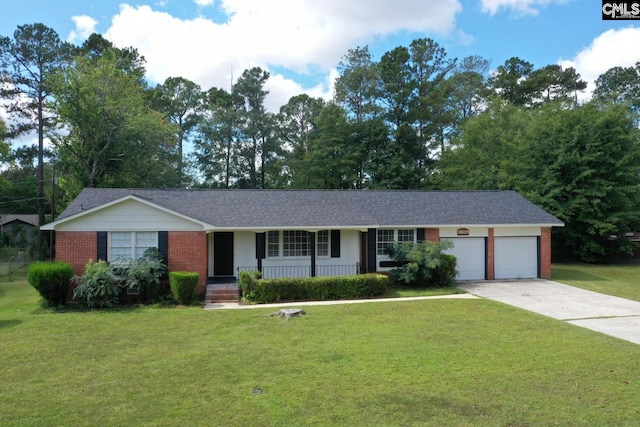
[[288, 313]]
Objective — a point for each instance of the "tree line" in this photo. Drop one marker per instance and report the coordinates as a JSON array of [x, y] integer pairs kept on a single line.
[[413, 119]]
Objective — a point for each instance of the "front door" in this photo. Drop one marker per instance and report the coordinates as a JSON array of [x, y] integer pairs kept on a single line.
[[223, 254]]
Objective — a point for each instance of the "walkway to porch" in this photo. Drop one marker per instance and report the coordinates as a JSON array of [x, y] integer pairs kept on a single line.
[[222, 289]]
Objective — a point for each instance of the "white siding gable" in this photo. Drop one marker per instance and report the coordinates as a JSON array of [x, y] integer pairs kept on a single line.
[[129, 215]]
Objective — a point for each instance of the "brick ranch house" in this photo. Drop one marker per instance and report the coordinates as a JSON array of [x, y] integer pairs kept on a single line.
[[297, 233]]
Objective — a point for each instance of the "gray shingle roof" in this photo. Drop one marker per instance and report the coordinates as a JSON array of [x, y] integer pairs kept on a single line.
[[330, 208], [31, 219]]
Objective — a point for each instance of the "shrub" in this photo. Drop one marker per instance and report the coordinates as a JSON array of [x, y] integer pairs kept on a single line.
[[183, 285], [51, 280], [98, 286], [144, 274], [314, 288], [423, 264], [247, 283], [445, 274]]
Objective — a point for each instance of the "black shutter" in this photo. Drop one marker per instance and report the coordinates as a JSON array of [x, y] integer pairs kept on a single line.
[[335, 243], [372, 250], [102, 246], [163, 246], [261, 242], [420, 235]]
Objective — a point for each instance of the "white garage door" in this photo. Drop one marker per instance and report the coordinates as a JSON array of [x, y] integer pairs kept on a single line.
[[470, 255], [516, 257]]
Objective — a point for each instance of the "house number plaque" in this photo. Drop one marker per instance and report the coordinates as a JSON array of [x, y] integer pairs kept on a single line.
[[462, 231]]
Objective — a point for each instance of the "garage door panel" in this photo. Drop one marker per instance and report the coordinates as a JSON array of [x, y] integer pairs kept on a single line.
[[470, 256], [516, 257]]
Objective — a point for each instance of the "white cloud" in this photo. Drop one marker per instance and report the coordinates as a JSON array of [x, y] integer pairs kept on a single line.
[[300, 36], [519, 7], [203, 2], [85, 26], [613, 48]]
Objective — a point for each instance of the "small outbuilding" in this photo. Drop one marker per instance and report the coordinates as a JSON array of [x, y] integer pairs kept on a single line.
[[297, 233]]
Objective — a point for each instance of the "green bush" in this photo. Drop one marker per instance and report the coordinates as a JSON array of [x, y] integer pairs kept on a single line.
[[423, 264], [312, 288], [51, 280], [98, 286], [183, 285], [445, 274], [247, 281], [144, 274]]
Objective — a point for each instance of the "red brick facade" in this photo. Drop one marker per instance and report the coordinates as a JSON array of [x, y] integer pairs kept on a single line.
[[188, 252], [545, 253], [491, 269], [432, 234], [76, 248]]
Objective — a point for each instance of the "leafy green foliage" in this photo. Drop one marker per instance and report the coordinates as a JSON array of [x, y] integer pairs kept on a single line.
[[144, 274], [51, 280], [247, 281], [98, 286], [423, 264], [102, 284], [183, 285], [311, 288]]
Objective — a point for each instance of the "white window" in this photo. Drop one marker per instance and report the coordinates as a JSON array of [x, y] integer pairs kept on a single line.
[[386, 237], [130, 245], [273, 244], [296, 243], [322, 243]]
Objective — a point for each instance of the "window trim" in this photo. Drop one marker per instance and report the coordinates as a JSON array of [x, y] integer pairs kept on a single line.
[[133, 246], [396, 233], [280, 244]]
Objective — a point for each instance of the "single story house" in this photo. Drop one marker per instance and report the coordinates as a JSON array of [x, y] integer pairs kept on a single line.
[[293, 233]]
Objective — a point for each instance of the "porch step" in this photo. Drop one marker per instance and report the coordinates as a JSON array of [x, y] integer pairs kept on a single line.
[[224, 292]]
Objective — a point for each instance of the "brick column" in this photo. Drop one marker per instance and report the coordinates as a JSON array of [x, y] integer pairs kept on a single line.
[[491, 271], [545, 252], [432, 234], [188, 252]]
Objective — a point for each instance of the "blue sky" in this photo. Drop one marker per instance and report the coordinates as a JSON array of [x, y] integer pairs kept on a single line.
[[301, 41]]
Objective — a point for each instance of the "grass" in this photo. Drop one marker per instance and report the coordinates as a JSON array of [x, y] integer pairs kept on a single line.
[[432, 362], [622, 280]]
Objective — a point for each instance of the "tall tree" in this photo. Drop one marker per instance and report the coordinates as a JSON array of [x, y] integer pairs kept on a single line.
[[296, 124], [181, 102], [469, 87], [583, 166], [509, 81], [431, 115], [332, 161], [257, 125], [553, 83], [620, 85], [217, 141], [114, 138], [355, 88], [26, 62]]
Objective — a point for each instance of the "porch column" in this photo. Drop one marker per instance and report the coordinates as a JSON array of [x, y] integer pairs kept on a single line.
[[312, 242], [260, 249]]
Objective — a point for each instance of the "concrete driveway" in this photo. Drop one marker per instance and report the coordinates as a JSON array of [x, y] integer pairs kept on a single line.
[[607, 314]]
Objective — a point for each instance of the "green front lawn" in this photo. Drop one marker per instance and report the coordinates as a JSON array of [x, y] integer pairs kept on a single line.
[[432, 362], [622, 280]]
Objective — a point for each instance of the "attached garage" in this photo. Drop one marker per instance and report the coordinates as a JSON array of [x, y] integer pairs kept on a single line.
[[470, 253], [516, 257]]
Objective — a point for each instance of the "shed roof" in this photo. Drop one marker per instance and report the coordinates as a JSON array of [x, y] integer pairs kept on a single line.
[[31, 219], [326, 208]]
